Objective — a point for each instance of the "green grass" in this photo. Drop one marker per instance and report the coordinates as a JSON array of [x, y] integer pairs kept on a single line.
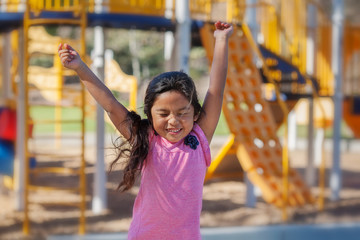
[[48, 113], [44, 113], [222, 127]]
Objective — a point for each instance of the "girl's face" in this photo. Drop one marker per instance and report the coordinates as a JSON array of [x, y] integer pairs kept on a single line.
[[172, 116]]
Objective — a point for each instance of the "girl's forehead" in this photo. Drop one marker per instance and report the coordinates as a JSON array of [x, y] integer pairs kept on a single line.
[[171, 99], [172, 95]]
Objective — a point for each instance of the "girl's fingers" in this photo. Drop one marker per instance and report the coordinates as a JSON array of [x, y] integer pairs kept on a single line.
[[218, 24], [221, 25], [63, 53], [60, 47], [68, 47], [66, 54], [64, 59]]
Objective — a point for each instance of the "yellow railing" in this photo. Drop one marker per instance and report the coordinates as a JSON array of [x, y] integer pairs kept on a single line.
[[199, 9], [56, 5], [211, 10], [282, 31], [322, 69], [11, 6], [144, 7]]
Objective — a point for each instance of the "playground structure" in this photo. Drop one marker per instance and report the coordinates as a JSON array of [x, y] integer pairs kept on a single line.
[[252, 118]]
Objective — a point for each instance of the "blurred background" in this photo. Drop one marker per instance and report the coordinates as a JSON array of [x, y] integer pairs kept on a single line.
[[285, 151]]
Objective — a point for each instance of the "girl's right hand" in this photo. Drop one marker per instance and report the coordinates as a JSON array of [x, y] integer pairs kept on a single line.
[[223, 29], [69, 57]]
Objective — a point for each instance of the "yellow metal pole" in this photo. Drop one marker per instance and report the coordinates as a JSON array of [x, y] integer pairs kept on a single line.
[[58, 108], [223, 151], [133, 94], [208, 6], [82, 227], [26, 224], [285, 170], [229, 11], [322, 179], [15, 59], [323, 163]]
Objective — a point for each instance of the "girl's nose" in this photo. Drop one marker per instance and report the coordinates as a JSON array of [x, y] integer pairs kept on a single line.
[[173, 120]]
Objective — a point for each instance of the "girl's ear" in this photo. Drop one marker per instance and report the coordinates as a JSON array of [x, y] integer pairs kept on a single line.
[[196, 117]]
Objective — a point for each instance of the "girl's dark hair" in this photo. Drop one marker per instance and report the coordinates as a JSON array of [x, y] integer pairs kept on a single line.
[[135, 150]]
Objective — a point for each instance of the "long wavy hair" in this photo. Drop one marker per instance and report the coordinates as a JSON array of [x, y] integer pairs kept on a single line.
[[136, 148]]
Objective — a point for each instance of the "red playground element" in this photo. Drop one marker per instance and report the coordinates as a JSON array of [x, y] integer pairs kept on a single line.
[[7, 124]]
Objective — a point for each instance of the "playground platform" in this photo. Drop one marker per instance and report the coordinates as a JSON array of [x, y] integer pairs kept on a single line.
[[344, 231]]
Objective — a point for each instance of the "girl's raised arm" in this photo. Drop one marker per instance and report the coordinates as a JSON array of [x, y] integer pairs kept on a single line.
[[116, 111], [214, 96]]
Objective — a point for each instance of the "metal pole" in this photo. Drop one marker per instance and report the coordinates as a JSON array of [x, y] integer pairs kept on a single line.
[[292, 133], [6, 91], [336, 63], [20, 132], [99, 202], [250, 18], [310, 65], [310, 170], [169, 39], [3, 5], [183, 34]]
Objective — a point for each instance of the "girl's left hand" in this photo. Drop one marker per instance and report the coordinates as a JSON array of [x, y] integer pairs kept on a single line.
[[69, 57], [223, 29]]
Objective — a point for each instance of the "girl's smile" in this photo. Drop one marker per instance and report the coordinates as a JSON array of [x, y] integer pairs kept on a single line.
[[172, 116]]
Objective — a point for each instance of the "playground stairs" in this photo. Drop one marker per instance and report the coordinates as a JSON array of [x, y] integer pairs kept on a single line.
[[48, 154], [253, 128]]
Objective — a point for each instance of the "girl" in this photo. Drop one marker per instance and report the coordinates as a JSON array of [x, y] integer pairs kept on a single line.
[[170, 148]]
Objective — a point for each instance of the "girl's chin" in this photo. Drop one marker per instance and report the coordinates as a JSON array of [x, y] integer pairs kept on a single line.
[[174, 137]]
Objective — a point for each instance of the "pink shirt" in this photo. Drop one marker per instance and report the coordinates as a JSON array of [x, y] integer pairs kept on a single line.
[[169, 201]]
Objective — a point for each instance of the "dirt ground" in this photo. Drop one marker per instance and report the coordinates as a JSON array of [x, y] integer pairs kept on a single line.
[[223, 202]]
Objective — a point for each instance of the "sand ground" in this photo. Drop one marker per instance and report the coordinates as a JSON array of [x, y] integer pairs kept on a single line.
[[223, 202]]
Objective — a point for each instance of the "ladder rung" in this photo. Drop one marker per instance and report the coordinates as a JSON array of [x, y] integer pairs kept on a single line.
[[71, 204], [57, 89], [60, 170], [35, 137], [55, 155], [46, 188], [54, 121], [53, 21], [66, 105]]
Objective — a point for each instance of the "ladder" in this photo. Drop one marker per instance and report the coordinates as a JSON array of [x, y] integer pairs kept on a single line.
[[253, 136], [48, 154]]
